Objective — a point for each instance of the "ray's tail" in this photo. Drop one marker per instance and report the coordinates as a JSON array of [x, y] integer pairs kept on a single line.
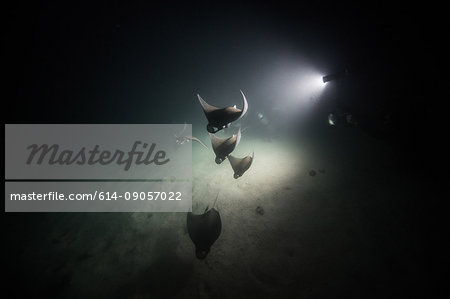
[[199, 141]]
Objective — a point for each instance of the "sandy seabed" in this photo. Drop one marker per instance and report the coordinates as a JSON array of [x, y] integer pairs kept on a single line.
[[338, 231]]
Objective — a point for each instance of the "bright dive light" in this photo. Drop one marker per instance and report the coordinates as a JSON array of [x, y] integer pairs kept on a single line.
[[334, 76], [321, 82]]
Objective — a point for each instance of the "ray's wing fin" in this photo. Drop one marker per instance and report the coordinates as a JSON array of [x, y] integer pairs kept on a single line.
[[206, 107], [238, 138], [215, 141], [251, 160], [233, 161], [244, 109]]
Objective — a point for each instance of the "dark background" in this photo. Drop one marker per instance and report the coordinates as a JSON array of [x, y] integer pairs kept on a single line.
[[122, 62], [119, 62]]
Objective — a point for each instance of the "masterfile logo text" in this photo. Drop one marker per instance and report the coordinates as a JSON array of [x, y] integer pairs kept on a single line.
[[113, 167]]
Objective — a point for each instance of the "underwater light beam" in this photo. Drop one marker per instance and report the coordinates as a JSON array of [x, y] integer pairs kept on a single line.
[[310, 85]]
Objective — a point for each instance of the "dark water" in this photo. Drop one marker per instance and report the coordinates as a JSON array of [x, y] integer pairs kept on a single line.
[[348, 211]]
